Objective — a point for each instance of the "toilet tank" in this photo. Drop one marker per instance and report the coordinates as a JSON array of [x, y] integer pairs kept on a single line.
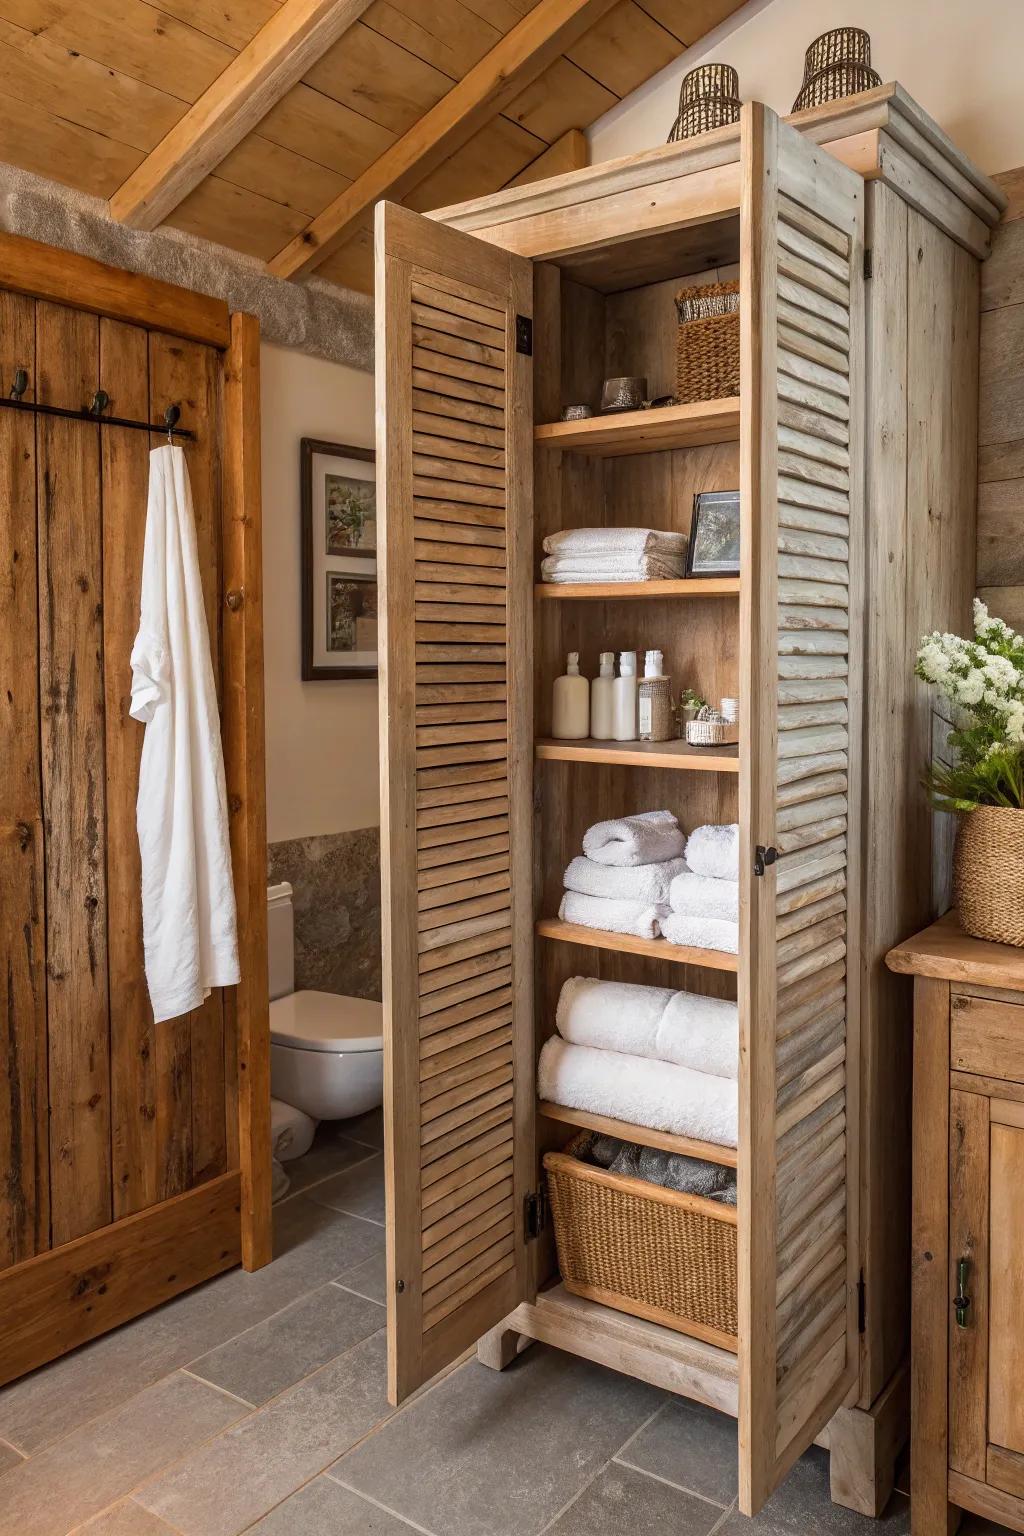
[[280, 940]]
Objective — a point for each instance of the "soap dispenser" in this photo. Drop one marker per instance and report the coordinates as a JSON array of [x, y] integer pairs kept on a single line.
[[625, 698], [570, 709], [602, 700]]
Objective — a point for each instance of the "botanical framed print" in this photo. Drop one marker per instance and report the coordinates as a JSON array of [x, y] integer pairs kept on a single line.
[[714, 547], [339, 561]]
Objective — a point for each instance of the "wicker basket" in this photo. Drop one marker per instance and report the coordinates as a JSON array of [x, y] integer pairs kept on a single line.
[[837, 64], [708, 343], [988, 874], [708, 98], [653, 1252]]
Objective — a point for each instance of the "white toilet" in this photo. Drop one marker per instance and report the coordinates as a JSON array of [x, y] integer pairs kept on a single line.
[[326, 1051]]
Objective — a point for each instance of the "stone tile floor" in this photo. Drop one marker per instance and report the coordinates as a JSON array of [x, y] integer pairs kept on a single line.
[[256, 1403]]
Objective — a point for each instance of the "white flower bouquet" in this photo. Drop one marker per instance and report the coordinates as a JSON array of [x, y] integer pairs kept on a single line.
[[984, 679]]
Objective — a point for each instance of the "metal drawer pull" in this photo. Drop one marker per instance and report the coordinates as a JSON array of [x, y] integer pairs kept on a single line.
[[961, 1301]]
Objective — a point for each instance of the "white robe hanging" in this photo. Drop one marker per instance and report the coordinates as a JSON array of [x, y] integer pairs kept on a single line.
[[188, 898]]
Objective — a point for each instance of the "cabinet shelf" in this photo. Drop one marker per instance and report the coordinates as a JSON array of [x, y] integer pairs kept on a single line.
[[693, 586], [664, 1141], [671, 426], [674, 754], [626, 943]]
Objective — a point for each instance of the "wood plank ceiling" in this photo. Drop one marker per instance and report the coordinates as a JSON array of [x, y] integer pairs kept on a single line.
[[102, 95]]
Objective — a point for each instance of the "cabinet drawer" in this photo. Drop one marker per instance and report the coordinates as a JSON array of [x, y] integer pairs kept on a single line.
[[987, 1037]]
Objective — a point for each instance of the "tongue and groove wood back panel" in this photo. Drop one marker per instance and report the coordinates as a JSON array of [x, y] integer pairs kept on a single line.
[[455, 460]]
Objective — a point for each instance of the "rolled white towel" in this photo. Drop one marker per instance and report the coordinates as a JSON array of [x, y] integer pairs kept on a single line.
[[701, 932], [639, 918], [702, 896], [649, 838], [701, 1033], [715, 851], [638, 882], [633, 542], [655, 1094]]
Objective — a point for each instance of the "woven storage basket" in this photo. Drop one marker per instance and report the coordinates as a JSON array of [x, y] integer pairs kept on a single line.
[[708, 346], [837, 64], [654, 1252], [988, 874], [708, 98]]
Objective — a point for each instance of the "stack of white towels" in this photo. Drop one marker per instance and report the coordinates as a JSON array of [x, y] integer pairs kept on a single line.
[[705, 897], [665, 1060], [621, 883], [613, 554], [640, 875]]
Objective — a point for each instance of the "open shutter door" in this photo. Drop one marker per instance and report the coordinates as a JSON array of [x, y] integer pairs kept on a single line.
[[801, 484], [455, 458]]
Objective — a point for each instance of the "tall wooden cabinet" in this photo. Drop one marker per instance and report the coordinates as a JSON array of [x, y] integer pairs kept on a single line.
[[855, 232]]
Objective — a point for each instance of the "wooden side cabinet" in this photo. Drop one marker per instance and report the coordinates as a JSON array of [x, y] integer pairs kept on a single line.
[[967, 1330]]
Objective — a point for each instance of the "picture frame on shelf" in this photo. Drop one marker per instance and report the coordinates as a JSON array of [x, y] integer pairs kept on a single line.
[[714, 544], [339, 561]]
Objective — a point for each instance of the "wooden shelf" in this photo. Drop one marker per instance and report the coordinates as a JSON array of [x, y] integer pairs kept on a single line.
[[675, 754], [670, 426], [694, 586], [625, 943], [725, 1157]]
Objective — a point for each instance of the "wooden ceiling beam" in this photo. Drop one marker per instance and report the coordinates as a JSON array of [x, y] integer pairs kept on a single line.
[[569, 153], [512, 64], [294, 38]]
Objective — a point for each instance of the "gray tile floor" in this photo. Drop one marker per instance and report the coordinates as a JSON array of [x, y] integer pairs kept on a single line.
[[256, 1403]]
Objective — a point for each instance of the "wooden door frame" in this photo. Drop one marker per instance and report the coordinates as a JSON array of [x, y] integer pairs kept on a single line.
[[67, 1295]]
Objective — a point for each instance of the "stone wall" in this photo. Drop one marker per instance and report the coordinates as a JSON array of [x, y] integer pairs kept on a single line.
[[336, 881]]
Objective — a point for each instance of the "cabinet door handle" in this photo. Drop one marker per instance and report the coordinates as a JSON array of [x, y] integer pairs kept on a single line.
[[961, 1301]]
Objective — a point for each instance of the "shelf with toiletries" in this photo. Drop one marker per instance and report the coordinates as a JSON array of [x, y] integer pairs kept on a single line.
[[657, 429], [676, 754], [628, 944]]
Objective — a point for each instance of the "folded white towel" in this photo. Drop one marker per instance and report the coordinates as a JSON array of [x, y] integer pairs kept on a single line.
[[701, 1033], [638, 882], [578, 568], [649, 838], [633, 542], [701, 932], [655, 1094], [640, 918], [715, 851], [702, 896]]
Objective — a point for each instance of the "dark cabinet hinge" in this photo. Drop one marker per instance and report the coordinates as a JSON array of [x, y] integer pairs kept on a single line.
[[524, 335], [535, 1214], [869, 266], [763, 857], [862, 1304]]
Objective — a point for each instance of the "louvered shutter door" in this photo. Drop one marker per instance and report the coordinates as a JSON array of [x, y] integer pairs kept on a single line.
[[455, 447], [802, 297]]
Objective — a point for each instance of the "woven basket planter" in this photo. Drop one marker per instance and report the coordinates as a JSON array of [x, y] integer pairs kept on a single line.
[[988, 874], [642, 1249], [708, 343]]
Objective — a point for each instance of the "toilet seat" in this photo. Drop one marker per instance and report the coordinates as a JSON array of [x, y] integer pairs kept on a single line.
[[326, 1021]]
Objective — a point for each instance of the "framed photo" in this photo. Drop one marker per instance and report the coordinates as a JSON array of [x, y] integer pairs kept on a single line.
[[714, 547], [339, 561]]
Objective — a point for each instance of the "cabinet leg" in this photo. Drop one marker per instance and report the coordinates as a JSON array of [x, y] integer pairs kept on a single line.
[[500, 1347], [864, 1444]]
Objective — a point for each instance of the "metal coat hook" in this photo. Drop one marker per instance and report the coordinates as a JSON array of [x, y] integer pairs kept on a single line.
[[20, 384], [100, 401], [172, 415]]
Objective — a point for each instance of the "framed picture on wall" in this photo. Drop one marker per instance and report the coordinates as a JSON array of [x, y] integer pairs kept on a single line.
[[339, 561]]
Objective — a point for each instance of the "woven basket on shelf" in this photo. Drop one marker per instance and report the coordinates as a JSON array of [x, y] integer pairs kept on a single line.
[[709, 97], [644, 1249], [708, 342], [988, 874], [837, 64]]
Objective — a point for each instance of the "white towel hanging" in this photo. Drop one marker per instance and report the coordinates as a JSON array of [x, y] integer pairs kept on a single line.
[[188, 898]]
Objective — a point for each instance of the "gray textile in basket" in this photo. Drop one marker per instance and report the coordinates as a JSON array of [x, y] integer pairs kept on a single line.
[[689, 1175]]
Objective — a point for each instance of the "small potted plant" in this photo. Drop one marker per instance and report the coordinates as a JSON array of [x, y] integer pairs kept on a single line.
[[690, 706], [983, 783]]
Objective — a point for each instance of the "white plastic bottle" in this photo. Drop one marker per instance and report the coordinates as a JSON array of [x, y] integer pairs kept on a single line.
[[602, 700], [570, 708], [625, 726]]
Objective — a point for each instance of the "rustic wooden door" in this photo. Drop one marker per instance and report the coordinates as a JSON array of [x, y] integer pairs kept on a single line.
[[802, 406], [455, 449], [126, 1148]]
